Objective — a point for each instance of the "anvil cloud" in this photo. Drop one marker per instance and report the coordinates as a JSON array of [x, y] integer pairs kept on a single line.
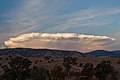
[[66, 41]]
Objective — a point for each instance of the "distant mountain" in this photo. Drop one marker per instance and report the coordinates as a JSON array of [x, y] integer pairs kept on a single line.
[[116, 51], [99, 53], [27, 52]]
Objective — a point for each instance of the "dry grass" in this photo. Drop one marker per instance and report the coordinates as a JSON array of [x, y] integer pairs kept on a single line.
[[50, 65]]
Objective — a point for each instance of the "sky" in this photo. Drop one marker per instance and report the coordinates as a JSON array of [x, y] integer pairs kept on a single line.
[[96, 20]]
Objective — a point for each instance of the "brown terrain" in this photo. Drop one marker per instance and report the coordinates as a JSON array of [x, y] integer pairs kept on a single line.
[[49, 64]]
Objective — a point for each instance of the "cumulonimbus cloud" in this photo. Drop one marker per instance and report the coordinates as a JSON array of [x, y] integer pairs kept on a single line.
[[66, 41]]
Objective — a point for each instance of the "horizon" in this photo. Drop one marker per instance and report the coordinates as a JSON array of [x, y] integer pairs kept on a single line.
[[71, 25], [59, 49]]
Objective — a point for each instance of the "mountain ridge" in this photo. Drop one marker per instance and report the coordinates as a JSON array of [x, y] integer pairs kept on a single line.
[[52, 53], [99, 53], [40, 52]]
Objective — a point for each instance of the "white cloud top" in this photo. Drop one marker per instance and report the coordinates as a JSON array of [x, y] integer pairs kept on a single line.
[[67, 41]]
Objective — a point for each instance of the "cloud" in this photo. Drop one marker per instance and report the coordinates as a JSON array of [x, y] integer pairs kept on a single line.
[[49, 16], [67, 41]]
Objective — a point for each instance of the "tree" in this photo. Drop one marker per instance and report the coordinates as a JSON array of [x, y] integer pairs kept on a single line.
[[81, 65], [88, 71], [118, 62], [36, 61], [58, 73], [21, 66], [52, 60], [0, 64], [40, 74], [75, 74], [102, 70], [40, 61], [8, 74], [1, 58], [68, 62], [47, 58]]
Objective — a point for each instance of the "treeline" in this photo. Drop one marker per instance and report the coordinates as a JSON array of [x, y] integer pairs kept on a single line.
[[19, 68]]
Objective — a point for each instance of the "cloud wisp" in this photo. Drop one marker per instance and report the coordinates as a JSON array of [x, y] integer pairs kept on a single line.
[[64, 41], [86, 18], [45, 16]]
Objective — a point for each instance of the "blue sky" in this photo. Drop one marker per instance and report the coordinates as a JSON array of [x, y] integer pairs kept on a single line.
[[92, 17]]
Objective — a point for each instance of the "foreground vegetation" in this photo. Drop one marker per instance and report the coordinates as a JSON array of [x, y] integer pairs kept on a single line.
[[19, 68]]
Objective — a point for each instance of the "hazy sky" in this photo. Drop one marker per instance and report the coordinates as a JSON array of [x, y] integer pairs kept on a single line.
[[90, 17]]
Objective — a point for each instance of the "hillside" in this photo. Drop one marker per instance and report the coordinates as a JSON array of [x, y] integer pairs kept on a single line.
[[28, 52], [40, 52], [99, 53]]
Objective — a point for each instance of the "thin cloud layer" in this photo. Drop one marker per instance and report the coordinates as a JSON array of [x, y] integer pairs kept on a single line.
[[66, 41]]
